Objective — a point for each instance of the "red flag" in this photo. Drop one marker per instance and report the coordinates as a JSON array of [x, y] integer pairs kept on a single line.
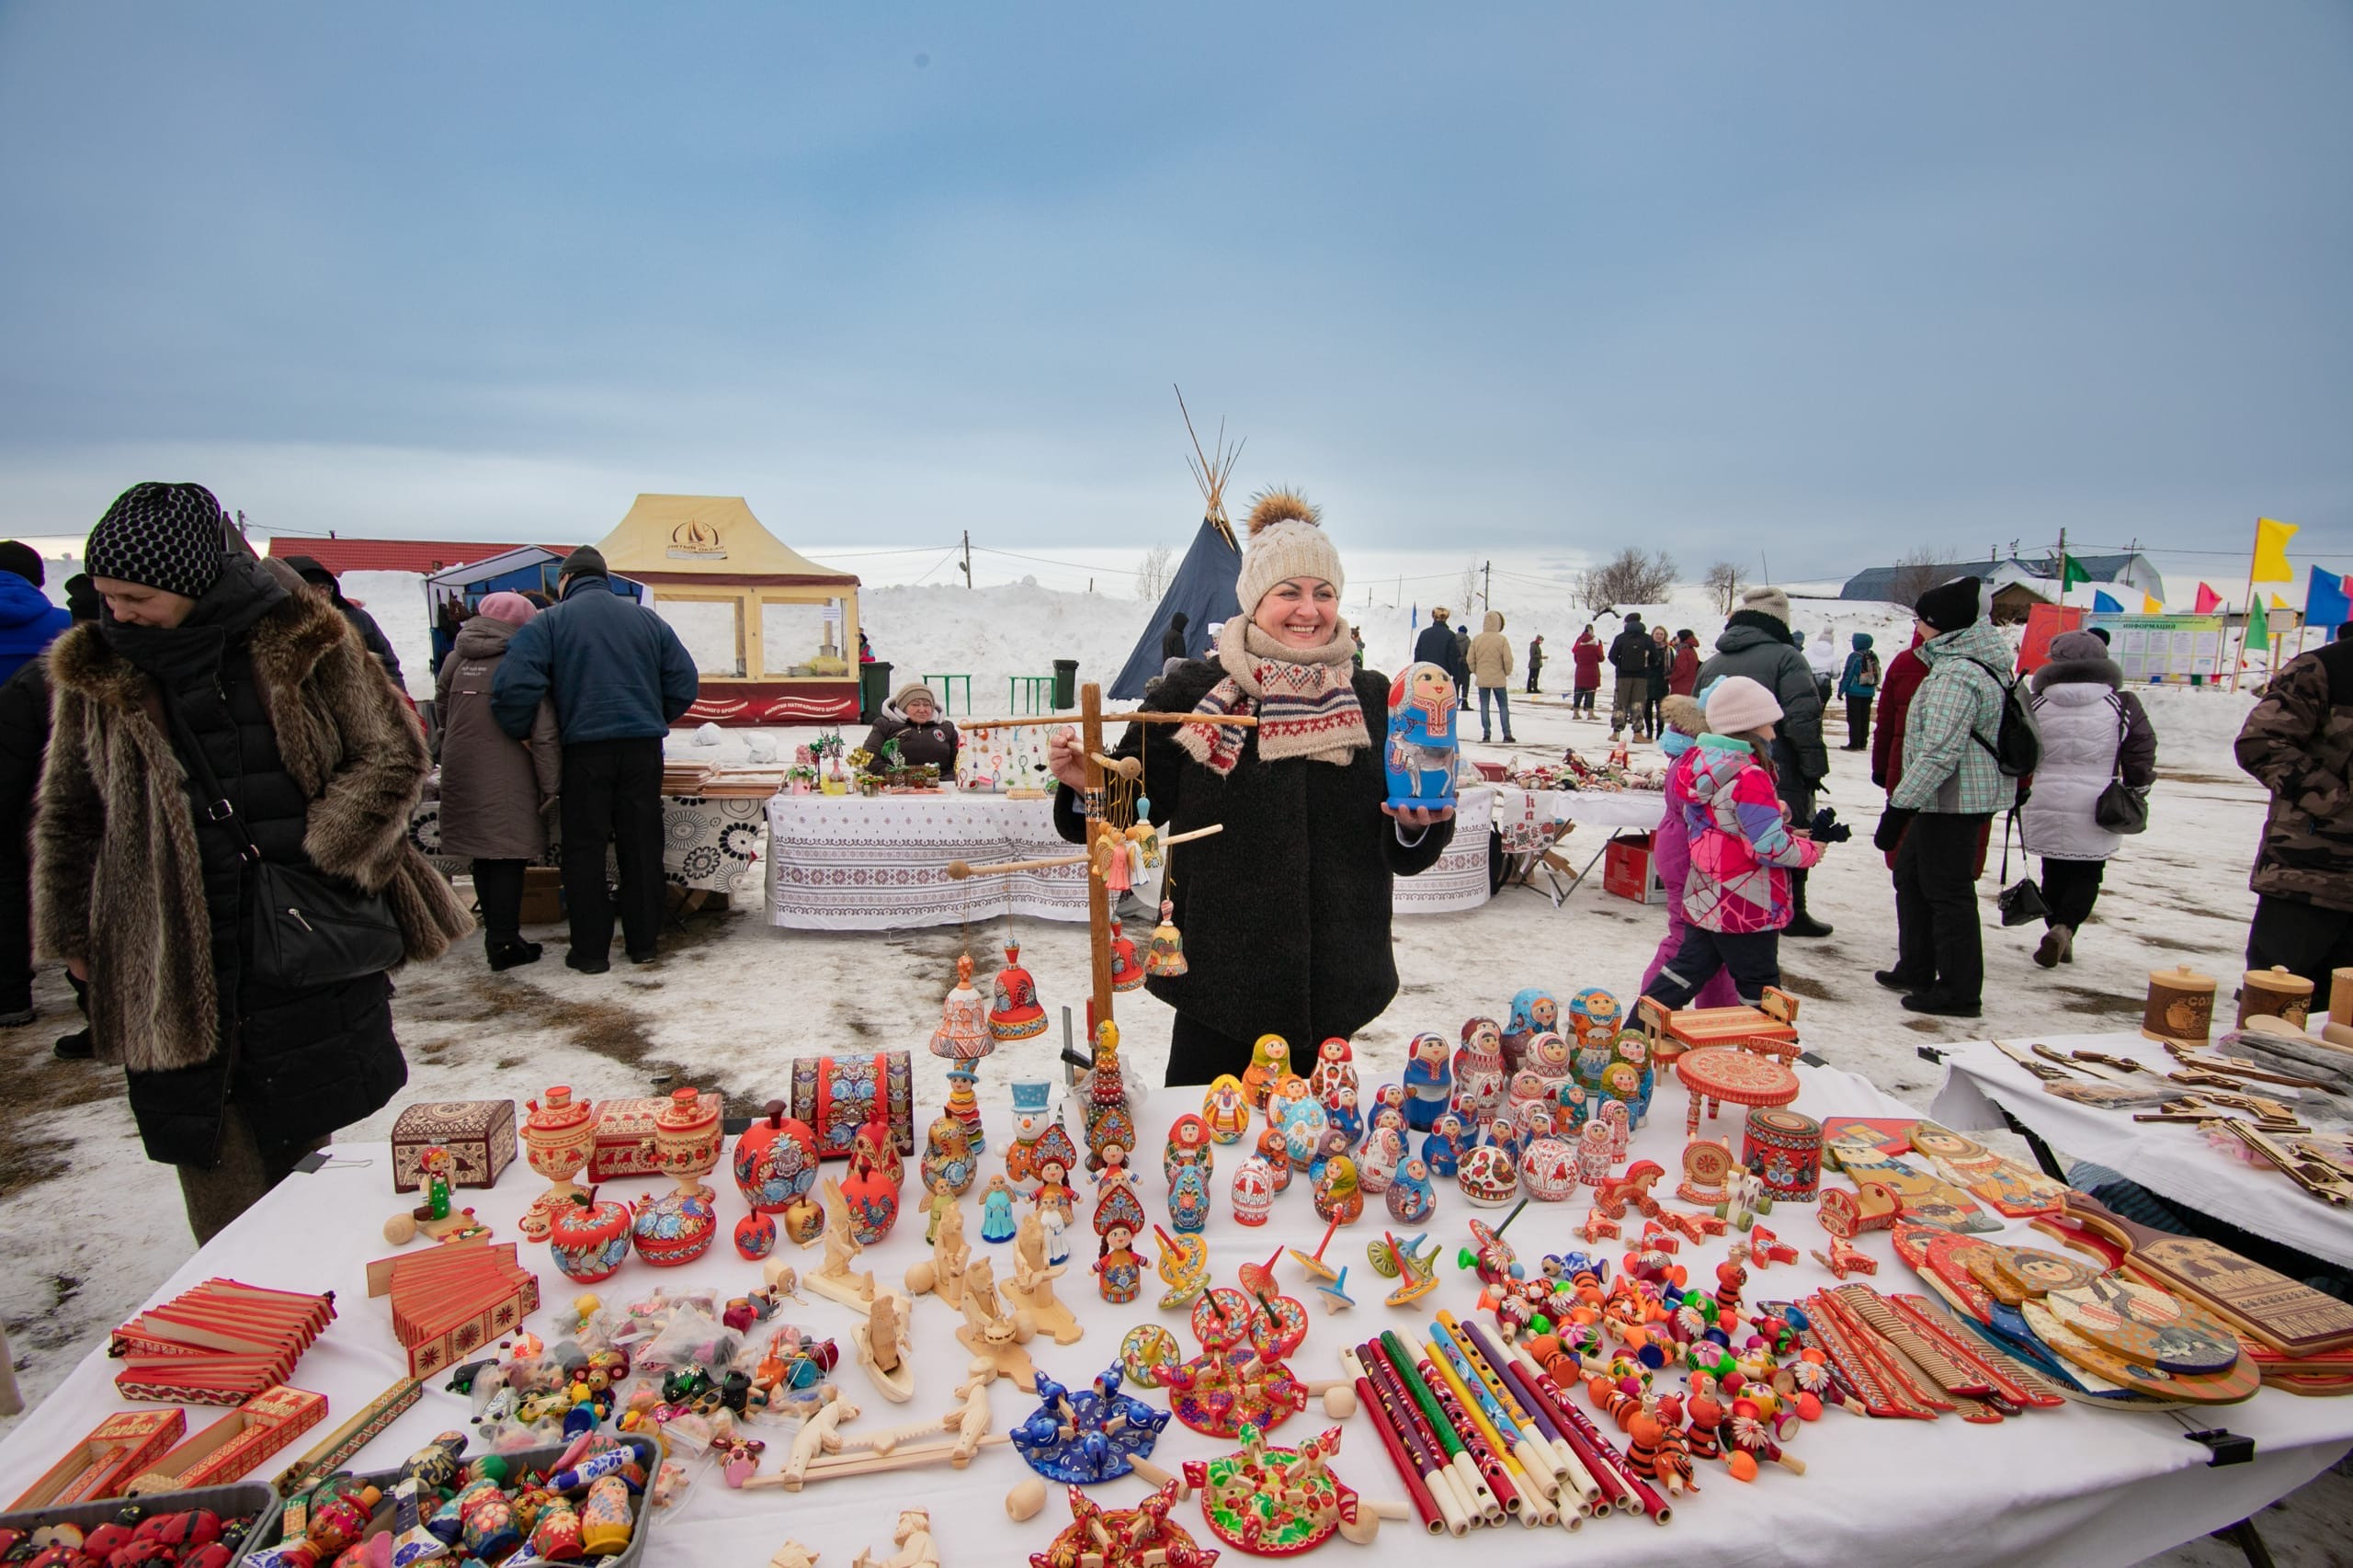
[[2209, 601]]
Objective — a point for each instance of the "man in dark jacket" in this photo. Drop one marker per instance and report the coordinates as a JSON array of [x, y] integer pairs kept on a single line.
[[2299, 743], [24, 742], [1436, 646], [1631, 656], [1756, 643], [370, 633], [1172, 642], [1535, 663], [619, 679]]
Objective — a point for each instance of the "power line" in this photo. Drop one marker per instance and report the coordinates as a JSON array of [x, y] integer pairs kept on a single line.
[[1049, 561]]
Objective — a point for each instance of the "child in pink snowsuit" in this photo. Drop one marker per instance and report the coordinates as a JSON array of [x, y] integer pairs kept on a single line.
[[1684, 720]]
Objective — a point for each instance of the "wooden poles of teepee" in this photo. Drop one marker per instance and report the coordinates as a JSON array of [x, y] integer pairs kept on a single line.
[[1098, 762]]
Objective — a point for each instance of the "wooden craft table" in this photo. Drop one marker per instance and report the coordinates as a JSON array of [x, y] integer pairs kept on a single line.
[[1722, 1074], [2172, 1160], [2082, 1487]]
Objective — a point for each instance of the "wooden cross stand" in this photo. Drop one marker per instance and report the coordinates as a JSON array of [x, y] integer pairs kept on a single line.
[[1099, 764]]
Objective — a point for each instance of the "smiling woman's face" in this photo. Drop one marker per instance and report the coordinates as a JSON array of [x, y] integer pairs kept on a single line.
[[1299, 612]]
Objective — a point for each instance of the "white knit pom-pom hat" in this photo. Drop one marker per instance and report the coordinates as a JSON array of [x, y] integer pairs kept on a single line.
[[1287, 541]]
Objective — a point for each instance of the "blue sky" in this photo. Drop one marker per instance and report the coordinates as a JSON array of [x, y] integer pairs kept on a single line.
[[1812, 283]]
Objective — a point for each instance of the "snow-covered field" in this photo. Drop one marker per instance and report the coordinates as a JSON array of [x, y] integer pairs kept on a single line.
[[95, 1226]]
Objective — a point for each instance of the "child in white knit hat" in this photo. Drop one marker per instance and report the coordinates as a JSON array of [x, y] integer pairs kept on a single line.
[[1284, 914]]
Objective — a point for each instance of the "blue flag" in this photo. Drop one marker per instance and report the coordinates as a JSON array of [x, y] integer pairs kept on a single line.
[[2325, 601], [2104, 605]]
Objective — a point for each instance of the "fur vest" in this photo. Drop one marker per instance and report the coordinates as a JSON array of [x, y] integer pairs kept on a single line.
[[119, 881]]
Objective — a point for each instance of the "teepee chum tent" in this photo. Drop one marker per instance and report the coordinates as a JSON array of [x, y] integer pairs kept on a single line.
[[774, 635], [1203, 586]]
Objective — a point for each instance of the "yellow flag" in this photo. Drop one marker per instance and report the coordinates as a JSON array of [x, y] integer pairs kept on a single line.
[[2271, 552], [2151, 606], [2278, 602]]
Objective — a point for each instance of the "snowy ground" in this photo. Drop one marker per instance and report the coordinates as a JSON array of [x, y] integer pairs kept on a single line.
[[96, 1226]]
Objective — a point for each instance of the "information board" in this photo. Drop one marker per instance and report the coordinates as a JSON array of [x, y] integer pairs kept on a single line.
[[2176, 648]]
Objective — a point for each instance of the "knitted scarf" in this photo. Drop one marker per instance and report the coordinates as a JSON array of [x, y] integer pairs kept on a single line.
[[1305, 699]]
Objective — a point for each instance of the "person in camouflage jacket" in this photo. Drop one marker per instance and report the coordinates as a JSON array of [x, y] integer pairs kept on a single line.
[[2299, 741], [1949, 789]]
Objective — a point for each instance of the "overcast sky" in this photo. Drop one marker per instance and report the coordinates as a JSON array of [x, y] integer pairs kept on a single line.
[[1809, 283]]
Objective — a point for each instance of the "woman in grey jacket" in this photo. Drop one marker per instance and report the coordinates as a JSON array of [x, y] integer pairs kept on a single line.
[[2093, 731], [494, 790]]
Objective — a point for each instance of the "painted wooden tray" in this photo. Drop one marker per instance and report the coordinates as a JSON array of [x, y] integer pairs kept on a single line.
[[2220, 1388], [2141, 1322], [2286, 1315]]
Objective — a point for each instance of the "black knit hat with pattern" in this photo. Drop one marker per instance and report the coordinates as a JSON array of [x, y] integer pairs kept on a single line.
[[159, 536]]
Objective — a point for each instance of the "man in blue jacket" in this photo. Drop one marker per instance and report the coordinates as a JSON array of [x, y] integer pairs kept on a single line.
[[29, 622], [619, 679]]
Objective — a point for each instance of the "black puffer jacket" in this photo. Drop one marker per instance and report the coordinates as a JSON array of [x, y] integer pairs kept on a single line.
[[301, 1063], [1755, 645], [1630, 651], [24, 738], [935, 743], [1286, 913]]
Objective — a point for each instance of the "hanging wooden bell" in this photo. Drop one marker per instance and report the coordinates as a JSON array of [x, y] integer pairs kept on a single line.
[[1164, 955]]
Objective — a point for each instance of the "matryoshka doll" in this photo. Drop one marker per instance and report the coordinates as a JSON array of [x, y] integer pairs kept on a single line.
[[1188, 1144], [1294, 1113], [1588, 1059], [1429, 1081], [1593, 1152], [1633, 1047], [1527, 1089], [1388, 1114], [1413, 1195], [1479, 1067], [1617, 1117], [1388, 1095], [1055, 1190], [1571, 1107], [1376, 1164], [1335, 1065], [1548, 1058], [1337, 1193], [1253, 1191], [1119, 1272], [1275, 1150], [1594, 1012], [1341, 1109], [1531, 1120], [1189, 1198], [1226, 1109], [1533, 1012], [1270, 1064], [1501, 1134], [1442, 1150], [947, 1156], [1014, 1011], [1330, 1144], [1621, 1086]]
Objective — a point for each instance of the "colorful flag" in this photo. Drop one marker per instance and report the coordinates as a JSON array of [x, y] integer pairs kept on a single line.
[[2258, 632], [2150, 605], [2271, 552], [2209, 601], [2325, 600], [2278, 602], [2104, 605], [2071, 571]]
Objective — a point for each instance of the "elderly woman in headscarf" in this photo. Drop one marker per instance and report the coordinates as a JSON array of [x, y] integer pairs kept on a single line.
[[495, 790], [1286, 912], [217, 732]]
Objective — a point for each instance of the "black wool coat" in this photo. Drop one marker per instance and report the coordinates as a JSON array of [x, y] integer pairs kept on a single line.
[[1286, 913]]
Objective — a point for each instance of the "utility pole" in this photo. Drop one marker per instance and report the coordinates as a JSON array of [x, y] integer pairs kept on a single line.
[[2062, 564], [1486, 584], [968, 558]]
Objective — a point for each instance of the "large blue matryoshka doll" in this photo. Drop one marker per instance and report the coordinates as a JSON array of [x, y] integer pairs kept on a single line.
[[1422, 746], [1429, 1080], [1533, 1012]]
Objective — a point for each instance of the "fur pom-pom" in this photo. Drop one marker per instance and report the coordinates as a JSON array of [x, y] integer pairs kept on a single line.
[[1281, 505]]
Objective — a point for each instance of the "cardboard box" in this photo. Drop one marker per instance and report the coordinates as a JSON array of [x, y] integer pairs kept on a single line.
[[542, 895], [478, 1133], [1630, 870], [118, 1448], [233, 1446]]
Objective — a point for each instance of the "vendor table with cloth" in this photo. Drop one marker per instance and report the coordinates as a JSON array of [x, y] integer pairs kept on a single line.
[[2070, 1485], [880, 862], [2172, 1160], [707, 845]]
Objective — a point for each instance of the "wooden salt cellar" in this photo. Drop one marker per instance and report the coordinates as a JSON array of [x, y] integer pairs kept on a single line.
[[2180, 1009], [2275, 992]]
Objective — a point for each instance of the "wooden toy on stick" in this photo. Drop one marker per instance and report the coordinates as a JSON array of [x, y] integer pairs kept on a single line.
[[942, 1274], [822, 1451], [1031, 1289], [995, 1332], [834, 1279]]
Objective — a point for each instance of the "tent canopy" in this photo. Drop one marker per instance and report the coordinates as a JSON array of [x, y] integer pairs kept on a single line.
[[1203, 589], [714, 536]]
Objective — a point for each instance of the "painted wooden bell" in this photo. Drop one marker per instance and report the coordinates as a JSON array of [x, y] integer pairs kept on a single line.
[[963, 1032], [1165, 954], [1013, 1010]]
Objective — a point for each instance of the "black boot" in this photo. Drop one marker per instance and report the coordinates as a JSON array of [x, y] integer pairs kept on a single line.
[[1800, 922], [509, 952]]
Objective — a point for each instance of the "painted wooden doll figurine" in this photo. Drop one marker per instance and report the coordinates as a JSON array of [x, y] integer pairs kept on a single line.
[[1055, 1190], [1337, 1196], [1429, 1080], [1413, 1195], [1550, 1058], [1594, 1012], [1442, 1150], [1269, 1065], [1275, 1150], [1335, 1066], [947, 1155], [1119, 1271], [1383, 1152], [1479, 1067], [1189, 1198], [943, 1198], [1056, 1224], [1634, 1048], [997, 1211], [1345, 1117], [1188, 1144], [1226, 1109], [1423, 745], [1253, 1191], [1533, 1012]]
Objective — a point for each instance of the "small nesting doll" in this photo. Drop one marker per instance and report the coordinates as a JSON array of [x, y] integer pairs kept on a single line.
[[1054, 1192], [1377, 1164], [1429, 1080], [1479, 1066], [1189, 1198], [1533, 1012], [1188, 1144], [1345, 1117], [1269, 1065], [1276, 1151], [1442, 1150], [947, 1156], [1337, 1196], [1422, 746], [1226, 1109], [1617, 1118], [1412, 1196], [1633, 1048], [1334, 1067]]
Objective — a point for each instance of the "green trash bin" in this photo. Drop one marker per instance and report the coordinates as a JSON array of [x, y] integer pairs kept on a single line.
[[873, 689], [1065, 684]]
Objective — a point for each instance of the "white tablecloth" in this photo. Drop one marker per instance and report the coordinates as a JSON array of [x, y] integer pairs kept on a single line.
[[1635, 810], [706, 843], [2075, 1486], [855, 863], [2172, 1160]]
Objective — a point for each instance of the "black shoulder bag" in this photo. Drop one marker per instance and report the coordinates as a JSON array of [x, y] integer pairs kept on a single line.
[[305, 929], [2022, 901], [2121, 808]]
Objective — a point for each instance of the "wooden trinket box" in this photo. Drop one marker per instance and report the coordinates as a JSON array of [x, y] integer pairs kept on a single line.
[[1784, 1148], [118, 1448], [625, 1130], [235, 1445], [835, 1096], [479, 1134]]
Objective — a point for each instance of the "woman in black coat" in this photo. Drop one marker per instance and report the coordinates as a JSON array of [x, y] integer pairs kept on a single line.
[[913, 719], [1286, 912]]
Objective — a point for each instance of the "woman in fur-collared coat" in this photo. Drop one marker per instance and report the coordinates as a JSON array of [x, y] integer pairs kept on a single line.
[[230, 1079]]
